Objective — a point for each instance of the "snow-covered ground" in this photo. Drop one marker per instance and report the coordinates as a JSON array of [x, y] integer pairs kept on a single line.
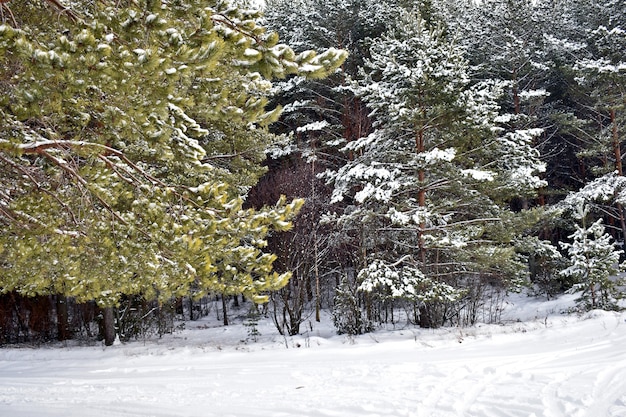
[[547, 364]]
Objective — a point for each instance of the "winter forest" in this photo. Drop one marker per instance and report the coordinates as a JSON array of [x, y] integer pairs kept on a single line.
[[375, 161]]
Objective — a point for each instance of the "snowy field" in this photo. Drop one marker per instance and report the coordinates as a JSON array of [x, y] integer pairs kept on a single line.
[[547, 364]]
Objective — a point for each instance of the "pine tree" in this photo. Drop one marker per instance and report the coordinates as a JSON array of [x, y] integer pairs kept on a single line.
[[128, 138], [593, 265], [427, 191], [545, 263], [601, 75]]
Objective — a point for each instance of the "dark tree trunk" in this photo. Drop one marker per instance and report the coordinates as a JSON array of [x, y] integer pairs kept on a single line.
[[224, 310], [425, 321], [63, 327], [108, 326], [617, 151], [420, 147]]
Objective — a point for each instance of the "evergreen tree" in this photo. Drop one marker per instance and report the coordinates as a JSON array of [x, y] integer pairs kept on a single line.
[[129, 133], [545, 264], [428, 189], [593, 265], [601, 77]]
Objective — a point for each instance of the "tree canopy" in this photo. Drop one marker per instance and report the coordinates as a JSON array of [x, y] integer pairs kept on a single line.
[[129, 134]]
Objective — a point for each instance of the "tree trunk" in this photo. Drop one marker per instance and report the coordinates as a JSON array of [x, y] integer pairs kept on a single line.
[[616, 144], [315, 251], [63, 327], [224, 310], [420, 147], [108, 326], [425, 320], [617, 151], [592, 290], [516, 100]]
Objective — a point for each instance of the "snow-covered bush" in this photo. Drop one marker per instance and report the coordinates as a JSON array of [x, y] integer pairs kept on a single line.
[[545, 263], [347, 315]]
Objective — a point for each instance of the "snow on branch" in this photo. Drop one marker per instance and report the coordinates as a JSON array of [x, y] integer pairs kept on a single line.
[[609, 187]]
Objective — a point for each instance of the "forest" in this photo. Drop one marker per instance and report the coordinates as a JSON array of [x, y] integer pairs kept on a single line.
[[378, 160]]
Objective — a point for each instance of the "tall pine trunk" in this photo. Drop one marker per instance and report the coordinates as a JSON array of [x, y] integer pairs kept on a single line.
[[63, 327], [420, 147], [108, 326], [318, 303], [617, 152], [224, 308]]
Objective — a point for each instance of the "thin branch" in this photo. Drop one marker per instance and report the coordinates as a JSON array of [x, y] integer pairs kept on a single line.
[[5, 7], [39, 187], [42, 146], [63, 10], [120, 173], [232, 25], [65, 167]]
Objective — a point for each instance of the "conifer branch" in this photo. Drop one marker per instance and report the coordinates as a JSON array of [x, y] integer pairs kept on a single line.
[[32, 179], [83, 182], [232, 25], [41, 148]]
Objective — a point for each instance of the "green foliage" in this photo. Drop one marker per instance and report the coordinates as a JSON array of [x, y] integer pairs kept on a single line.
[[545, 263], [594, 263], [127, 140], [430, 187]]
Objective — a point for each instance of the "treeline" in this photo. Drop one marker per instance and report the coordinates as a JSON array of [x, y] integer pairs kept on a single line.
[[459, 150]]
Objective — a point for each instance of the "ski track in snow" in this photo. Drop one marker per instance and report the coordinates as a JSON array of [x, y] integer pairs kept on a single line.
[[564, 367]]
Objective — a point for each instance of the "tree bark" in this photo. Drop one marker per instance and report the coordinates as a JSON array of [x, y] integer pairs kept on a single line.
[[421, 196], [224, 306], [318, 304], [108, 326], [425, 321], [617, 151], [63, 328]]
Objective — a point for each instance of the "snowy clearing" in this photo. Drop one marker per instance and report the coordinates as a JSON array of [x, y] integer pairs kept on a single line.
[[548, 365]]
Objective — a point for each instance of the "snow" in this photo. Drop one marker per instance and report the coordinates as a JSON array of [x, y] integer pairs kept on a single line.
[[548, 364], [437, 154], [315, 126], [528, 94], [478, 174]]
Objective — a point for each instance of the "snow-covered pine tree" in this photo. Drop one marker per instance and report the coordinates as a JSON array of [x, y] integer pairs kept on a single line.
[[601, 76], [594, 263], [505, 41], [427, 190], [545, 263], [128, 138]]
